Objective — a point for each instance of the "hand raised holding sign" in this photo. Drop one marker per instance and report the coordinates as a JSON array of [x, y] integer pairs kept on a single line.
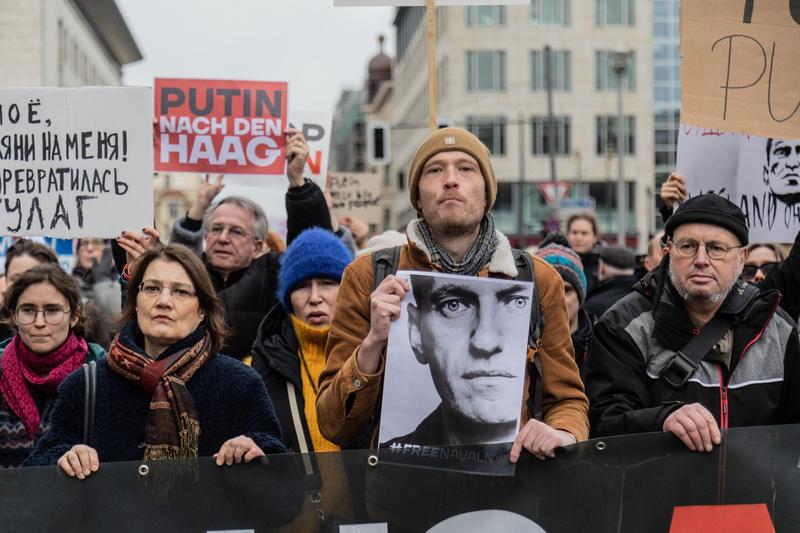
[[136, 244], [673, 190], [296, 155], [208, 191]]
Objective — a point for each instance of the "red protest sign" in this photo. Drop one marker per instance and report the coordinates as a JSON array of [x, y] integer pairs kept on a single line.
[[220, 126]]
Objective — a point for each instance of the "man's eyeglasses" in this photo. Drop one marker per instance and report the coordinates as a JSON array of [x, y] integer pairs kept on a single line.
[[179, 291], [749, 271], [53, 314], [714, 250], [234, 232]]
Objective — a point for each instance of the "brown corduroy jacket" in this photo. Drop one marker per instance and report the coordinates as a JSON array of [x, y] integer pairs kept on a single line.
[[348, 398]]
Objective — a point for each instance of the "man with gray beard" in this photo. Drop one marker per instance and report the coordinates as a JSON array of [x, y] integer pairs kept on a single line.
[[638, 377]]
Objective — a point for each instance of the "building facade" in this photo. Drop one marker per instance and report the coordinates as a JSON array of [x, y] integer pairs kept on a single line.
[[490, 66], [63, 43]]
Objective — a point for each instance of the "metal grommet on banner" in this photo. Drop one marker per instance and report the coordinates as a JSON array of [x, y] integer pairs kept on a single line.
[[600, 446], [372, 460], [144, 470]]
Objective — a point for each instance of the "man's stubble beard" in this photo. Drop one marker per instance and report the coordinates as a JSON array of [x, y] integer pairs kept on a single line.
[[713, 298]]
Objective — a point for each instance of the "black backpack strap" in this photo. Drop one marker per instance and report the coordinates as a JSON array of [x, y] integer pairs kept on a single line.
[[525, 272], [89, 399], [686, 361], [384, 263]]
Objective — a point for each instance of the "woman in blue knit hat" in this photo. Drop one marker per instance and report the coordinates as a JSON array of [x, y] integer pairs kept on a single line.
[[289, 351]]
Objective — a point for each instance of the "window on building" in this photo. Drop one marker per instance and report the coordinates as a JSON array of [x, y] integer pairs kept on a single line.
[[491, 131], [614, 13], [550, 12], [560, 68], [543, 139], [407, 21], [484, 16], [605, 75], [486, 70], [174, 210], [401, 180], [606, 140]]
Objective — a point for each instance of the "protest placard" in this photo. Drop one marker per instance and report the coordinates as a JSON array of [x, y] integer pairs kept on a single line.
[[75, 162], [379, 3], [739, 66], [356, 194], [220, 126], [444, 385], [760, 175], [316, 128]]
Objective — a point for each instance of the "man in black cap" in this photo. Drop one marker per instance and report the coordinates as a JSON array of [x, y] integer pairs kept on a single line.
[[694, 349], [615, 276]]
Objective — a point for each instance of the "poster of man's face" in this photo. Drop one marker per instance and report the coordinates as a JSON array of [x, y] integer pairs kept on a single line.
[[782, 169], [456, 360]]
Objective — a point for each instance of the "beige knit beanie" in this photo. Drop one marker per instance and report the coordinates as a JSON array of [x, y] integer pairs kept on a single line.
[[449, 139]]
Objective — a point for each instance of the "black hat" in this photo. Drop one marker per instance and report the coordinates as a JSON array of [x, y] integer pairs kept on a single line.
[[618, 257], [712, 209]]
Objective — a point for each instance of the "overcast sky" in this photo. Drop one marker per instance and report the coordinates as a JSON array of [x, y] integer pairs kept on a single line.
[[317, 48]]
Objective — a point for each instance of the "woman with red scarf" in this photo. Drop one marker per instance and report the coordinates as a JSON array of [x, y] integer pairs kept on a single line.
[[45, 310], [164, 391]]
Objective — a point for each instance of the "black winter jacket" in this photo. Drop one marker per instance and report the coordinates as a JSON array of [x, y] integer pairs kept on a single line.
[[637, 338], [276, 361]]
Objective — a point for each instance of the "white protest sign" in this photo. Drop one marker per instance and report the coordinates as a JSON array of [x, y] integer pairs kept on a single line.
[[384, 3], [356, 194], [442, 384], [760, 175], [316, 127], [75, 162]]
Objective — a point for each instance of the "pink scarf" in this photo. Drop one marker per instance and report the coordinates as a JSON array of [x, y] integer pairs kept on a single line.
[[24, 370]]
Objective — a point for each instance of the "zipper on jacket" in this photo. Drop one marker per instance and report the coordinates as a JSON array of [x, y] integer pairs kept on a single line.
[[723, 400]]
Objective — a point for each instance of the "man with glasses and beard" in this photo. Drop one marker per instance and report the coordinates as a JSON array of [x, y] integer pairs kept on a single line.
[[638, 378]]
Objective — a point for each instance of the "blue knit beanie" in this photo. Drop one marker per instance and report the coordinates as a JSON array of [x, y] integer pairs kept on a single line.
[[315, 253], [569, 265]]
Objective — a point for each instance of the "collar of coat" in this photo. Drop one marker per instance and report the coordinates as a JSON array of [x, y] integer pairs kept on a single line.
[[502, 261]]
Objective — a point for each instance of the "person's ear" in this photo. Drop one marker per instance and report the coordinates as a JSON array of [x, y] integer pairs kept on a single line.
[[415, 333], [766, 174], [257, 247], [73, 321]]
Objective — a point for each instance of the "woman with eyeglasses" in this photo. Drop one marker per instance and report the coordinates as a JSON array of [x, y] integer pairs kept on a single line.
[[164, 391], [45, 310], [761, 259]]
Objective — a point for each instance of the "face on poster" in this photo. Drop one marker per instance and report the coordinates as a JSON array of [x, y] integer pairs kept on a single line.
[[760, 175], [455, 363], [75, 162], [220, 126]]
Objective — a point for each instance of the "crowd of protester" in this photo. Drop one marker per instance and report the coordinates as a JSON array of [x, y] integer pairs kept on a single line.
[[227, 342]]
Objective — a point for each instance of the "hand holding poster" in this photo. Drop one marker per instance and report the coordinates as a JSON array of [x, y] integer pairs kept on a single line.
[[760, 175], [739, 66], [455, 369], [218, 126], [75, 162]]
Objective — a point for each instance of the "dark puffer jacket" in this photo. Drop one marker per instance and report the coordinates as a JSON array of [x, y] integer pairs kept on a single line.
[[637, 338]]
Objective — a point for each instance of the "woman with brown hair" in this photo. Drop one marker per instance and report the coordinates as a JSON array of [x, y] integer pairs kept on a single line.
[[164, 384], [44, 307]]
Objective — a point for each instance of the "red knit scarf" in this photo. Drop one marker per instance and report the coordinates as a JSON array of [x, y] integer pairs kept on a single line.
[[24, 370], [173, 429]]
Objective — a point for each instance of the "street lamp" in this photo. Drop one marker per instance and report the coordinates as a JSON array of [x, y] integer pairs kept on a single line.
[[621, 70]]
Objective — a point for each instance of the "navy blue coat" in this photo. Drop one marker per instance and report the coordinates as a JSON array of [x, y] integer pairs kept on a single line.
[[230, 399]]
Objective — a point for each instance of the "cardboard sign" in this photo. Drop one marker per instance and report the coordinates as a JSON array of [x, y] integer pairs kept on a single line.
[[218, 126], [760, 175], [75, 162], [356, 194], [383, 3], [440, 375], [739, 66]]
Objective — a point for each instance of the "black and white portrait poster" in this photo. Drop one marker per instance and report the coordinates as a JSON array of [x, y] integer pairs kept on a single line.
[[455, 369], [760, 175]]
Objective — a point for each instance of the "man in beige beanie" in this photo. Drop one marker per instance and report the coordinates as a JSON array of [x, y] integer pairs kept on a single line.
[[452, 187]]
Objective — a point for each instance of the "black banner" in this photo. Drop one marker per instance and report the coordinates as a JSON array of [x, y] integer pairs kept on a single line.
[[624, 484]]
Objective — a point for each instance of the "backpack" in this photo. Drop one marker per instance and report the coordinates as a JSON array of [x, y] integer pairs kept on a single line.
[[385, 261]]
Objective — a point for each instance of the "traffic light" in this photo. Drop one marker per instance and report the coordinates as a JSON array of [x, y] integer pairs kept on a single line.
[[378, 143]]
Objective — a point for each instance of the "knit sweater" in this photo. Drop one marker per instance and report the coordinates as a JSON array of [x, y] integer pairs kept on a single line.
[[15, 442], [311, 343]]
